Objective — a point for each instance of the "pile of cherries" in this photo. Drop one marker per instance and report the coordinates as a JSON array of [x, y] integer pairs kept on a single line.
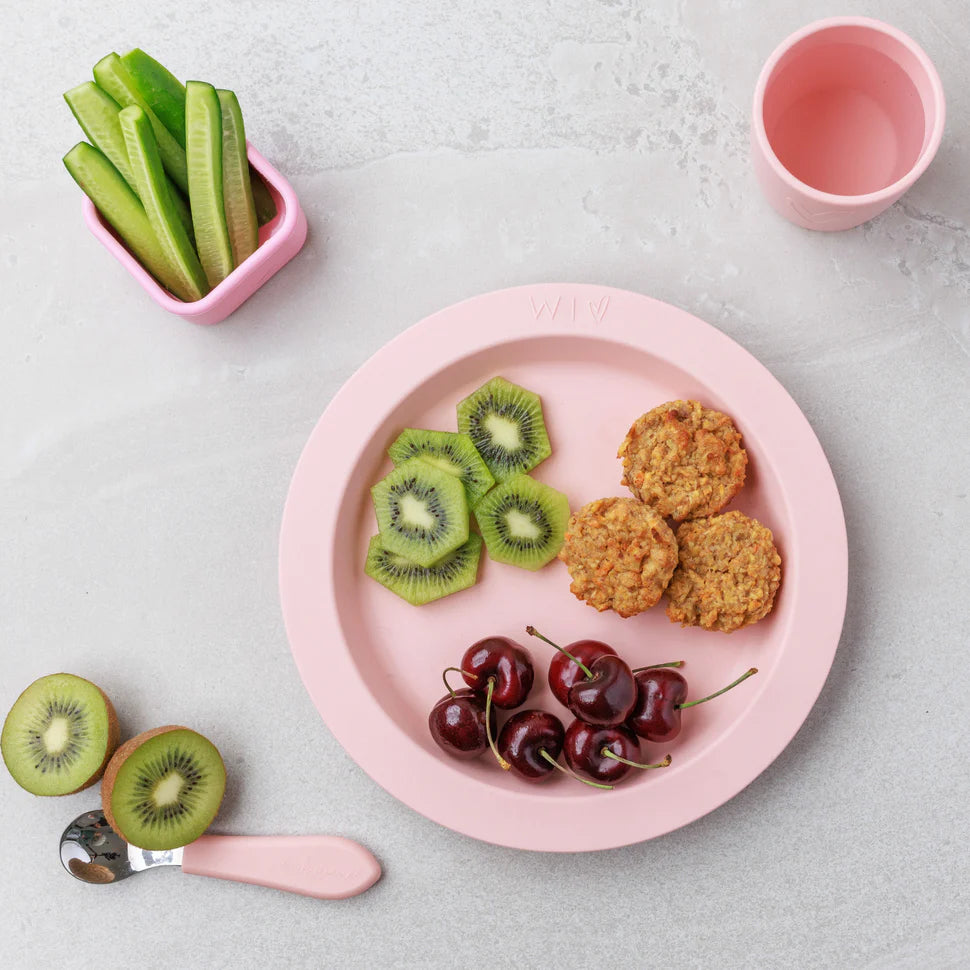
[[614, 706]]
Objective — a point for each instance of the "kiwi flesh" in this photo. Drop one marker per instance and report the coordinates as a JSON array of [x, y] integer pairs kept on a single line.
[[59, 735], [162, 789], [422, 584], [451, 452], [523, 522], [506, 425], [422, 512]]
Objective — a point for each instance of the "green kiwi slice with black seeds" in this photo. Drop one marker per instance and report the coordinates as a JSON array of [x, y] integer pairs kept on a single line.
[[506, 425], [163, 788], [422, 512], [59, 735], [523, 522], [451, 452], [422, 584]]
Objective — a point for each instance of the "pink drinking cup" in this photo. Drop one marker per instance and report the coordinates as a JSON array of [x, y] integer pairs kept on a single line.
[[848, 114]]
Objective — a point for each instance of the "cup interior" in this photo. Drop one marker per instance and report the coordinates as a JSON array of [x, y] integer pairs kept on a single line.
[[849, 109]]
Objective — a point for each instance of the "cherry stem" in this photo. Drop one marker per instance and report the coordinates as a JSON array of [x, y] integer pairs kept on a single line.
[[457, 670], [717, 693], [502, 763], [593, 784], [634, 764], [670, 663], [533, 632]]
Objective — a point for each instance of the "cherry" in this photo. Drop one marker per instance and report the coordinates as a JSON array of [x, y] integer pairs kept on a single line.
[[656, 714], [564, 671], [488, 707], [661, 696], [531, 741], [606, 694], [504, 662], [604, 753], [457, 723], [608, 697]]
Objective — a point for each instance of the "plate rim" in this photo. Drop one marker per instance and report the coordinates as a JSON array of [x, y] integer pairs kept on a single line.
[[584, 309]]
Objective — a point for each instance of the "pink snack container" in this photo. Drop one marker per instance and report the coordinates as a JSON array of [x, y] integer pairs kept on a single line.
[[279, 241], [848, 113]]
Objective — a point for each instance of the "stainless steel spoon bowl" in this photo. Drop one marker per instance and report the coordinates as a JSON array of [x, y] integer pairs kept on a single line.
[[92, 852], [323, 866]]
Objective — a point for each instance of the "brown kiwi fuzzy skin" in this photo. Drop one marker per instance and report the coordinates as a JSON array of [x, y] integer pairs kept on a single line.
[[114, 734], [120, 757]]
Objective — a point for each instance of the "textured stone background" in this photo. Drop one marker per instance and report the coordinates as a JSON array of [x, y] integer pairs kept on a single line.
[[442, 149]]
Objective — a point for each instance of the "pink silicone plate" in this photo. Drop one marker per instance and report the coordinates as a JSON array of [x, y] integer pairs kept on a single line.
[[599, 357]]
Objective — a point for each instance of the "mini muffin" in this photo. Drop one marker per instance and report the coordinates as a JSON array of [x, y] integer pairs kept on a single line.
[[684, 460], [728, 574], [620, 555]]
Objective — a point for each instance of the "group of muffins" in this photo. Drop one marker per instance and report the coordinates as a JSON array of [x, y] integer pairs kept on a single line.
[[682, 462]]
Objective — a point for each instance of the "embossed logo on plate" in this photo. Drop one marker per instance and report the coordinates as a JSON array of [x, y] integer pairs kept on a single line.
[[570, 309]]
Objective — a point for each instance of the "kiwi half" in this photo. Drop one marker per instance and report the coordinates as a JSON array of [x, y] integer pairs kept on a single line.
[[422, 584], [451, 452], [506, 425], [523, 522], [422, 512], [59, 735], [162, 789]]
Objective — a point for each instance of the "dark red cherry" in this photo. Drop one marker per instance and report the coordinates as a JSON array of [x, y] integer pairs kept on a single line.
[[564, 671], [531, 742], [457, 724], [661, 696], [656, 713], [504, 660], [584, 749], [608, 696], [604, 753], [606, 692]]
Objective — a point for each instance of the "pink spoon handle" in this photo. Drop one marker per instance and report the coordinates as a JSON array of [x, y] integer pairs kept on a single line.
[[324, 866]]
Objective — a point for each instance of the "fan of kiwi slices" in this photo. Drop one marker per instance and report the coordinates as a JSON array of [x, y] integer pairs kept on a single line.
[[424, 548], [160, 790]]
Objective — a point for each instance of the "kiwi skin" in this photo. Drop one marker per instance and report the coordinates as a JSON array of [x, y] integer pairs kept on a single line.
[[114, 736], [120, 757]]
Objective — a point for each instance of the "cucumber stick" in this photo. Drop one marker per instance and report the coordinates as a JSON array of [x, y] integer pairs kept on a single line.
[[105, 187], [97, 114], [237, 189], [113, 77], [203, 150], [164, 92], [165, 95], [146, 166]]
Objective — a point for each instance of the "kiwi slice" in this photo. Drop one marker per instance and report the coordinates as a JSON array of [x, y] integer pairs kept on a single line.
[[422, 584], [59, 735], [422, 512], [523, 522], [451, 452], [162, 789], [505, 424]]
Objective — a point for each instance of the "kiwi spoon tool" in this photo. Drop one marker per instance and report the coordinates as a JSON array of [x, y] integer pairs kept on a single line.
[[323, 866]]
